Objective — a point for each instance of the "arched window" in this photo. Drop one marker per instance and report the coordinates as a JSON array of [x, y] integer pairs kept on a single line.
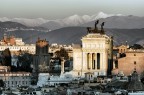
[[121, 51]]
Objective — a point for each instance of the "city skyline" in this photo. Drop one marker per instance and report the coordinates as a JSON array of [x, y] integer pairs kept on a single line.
[[58, 9]]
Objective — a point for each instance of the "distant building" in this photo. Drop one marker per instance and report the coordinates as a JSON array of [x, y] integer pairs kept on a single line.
[[133, 58], [5, 69], [15, 44], [8, 40], [122, 48], [135, 83], [94, 56], [42, 57], [14, 79], [126, 85], [11, 40]]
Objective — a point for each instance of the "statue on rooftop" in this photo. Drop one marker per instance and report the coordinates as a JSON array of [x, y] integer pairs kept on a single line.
[[95, 30], [102, 29], [96, 24], [102, 25], [88, 29]]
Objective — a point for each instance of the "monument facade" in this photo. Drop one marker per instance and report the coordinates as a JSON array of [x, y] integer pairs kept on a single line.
[[94, 55]]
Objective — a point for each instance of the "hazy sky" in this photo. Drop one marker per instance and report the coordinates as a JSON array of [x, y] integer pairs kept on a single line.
[[55, 9]]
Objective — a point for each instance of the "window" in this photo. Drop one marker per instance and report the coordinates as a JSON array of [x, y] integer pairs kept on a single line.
[[88, 59], [93, 60], [78, 73], [134, 62], [121, 50], [98, 60], [116, 63], [94, 64]]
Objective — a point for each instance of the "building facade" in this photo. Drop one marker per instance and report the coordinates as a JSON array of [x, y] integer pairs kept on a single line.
[[14, 79], [30, 48], [132, 59], [42, 57], [16, 44]]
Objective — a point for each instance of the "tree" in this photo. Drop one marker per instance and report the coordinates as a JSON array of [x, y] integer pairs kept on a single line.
[[6, 57], [62, 53], [24, 63], [136, 46], [1, 83]]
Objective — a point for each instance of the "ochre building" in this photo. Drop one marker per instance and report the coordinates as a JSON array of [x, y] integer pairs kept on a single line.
[[133, 59]]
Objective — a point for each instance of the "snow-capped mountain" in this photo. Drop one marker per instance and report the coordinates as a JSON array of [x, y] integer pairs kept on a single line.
[[25, 21], [112, 21], [73, 20], [103, 15], [4, 19], [30, 22], [119, 22]]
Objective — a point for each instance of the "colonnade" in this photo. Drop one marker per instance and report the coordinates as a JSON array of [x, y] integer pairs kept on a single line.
[[93, 61]]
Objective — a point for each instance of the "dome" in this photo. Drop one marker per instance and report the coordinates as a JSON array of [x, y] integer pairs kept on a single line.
[[135, 84]]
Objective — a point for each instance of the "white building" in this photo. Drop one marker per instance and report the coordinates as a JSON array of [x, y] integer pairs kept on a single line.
[[14, 79], [93, 55], [16, 44], [19, 41], [27, 47]]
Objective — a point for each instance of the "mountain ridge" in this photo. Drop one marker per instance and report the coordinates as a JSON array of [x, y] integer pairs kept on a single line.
[[120, 22], [12, 26], [112, 21], [73, 20], [70, 35]]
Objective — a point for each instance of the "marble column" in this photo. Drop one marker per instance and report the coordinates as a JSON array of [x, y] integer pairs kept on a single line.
[[62, 65]]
